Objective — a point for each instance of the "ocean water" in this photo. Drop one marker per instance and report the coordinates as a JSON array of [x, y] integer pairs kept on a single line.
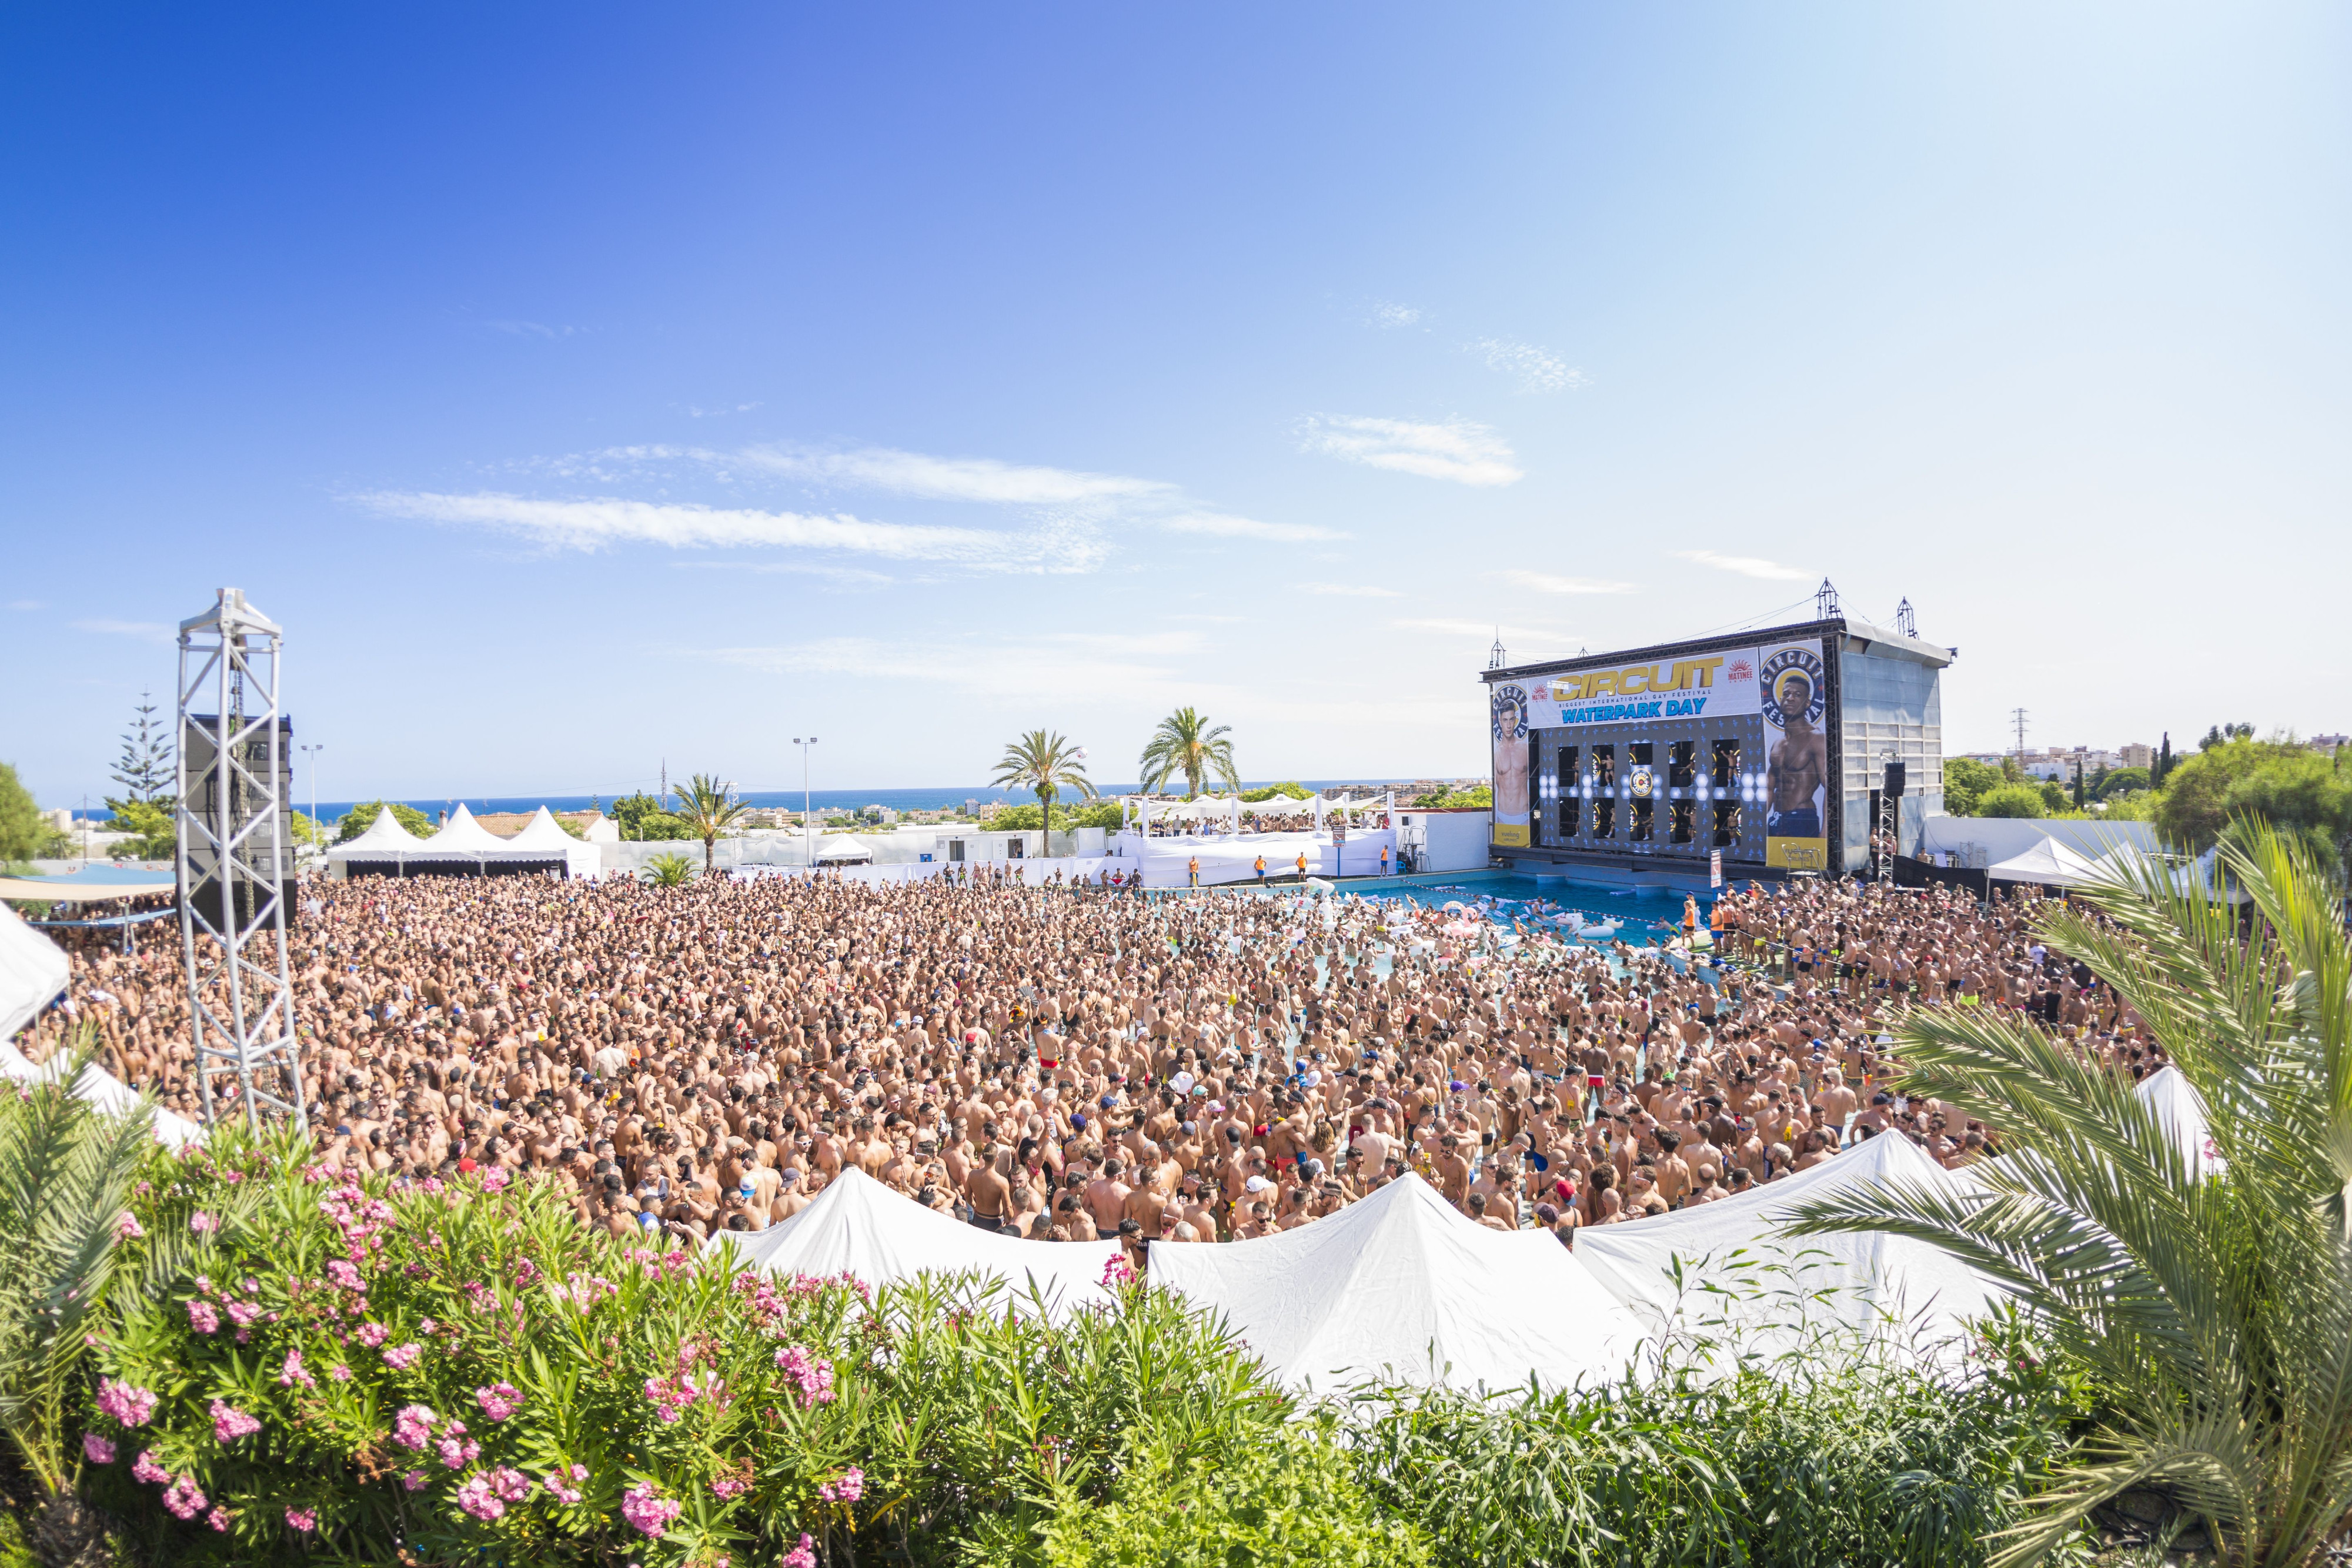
[[926, 800]]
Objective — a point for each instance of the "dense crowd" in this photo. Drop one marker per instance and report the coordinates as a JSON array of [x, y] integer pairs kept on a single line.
[[1067, 1064]]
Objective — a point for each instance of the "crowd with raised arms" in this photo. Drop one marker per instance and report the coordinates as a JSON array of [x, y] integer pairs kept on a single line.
[[1069, 1064]]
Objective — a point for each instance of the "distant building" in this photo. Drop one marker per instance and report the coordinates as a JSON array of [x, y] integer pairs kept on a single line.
[[2136, 754], [2330, 744]]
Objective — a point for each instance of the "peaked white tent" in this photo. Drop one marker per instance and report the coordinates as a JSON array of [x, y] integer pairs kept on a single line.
[[463, 836], [1738, 1272], [1400, 1284], [384, 840], [842, 849], [2181, 1111], [859, 1226], [33, 972], [2051, 863], [543, 835], [103, 1090]]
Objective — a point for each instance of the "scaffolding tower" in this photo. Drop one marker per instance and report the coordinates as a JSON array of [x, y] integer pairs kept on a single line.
[[236, 865]]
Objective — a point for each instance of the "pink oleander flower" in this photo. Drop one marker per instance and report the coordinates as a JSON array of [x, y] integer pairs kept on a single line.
[[98, 1450], [242, 1313], [812, 1373], [229, 1422], [730, 1486], [339, 1372], [293, 1371], [474, 1497], [127, 1227], [145, 1468], [302, 1520], [458, 1450], [414, 1481], [401, 1357], [184, 1498], [202, 1318], [510, 1483], [130, 1406], [202, 1224], [499, 1400], [643, 1506], [561, 1483], [494, 1178], [344, 1274], [217, 1519], [427, 1326], [801, 1556], [847, 1486], [371, 1334], [412, 1427], [1118, 1270]]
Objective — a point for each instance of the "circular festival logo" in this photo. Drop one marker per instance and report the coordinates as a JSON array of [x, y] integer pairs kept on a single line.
[[1642, 784], [1510, 710], [1793, 687]]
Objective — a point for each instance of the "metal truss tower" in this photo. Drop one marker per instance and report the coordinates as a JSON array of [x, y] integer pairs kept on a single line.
[[233, 863]]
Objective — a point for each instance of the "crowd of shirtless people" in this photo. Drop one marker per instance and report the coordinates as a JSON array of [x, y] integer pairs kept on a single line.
[[1067, 1064]]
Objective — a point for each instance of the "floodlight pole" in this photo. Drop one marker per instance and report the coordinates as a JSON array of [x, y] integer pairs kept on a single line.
[[808, 815], [241, 1007]]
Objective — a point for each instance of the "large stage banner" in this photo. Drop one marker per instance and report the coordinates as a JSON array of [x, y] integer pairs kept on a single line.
[[1795, 694], [1508, 709]]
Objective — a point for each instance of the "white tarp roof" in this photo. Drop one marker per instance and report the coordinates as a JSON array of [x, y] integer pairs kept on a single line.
[[385, 836], [858, 1225], [1735, 1245], [2181, 1111], [2050, 862], [33, 972], [461, 835], [842, 847], [103, 1090], [542, 833], [1402, 1283]]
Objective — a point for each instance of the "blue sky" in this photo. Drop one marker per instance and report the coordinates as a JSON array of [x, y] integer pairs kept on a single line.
[[588, 386]]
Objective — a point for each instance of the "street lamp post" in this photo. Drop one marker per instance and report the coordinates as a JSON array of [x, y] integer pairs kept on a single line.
[[808, 816], [313, 752]]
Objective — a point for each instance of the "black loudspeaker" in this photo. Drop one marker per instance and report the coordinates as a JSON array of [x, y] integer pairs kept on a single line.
[[1895, 779], [204, 804]]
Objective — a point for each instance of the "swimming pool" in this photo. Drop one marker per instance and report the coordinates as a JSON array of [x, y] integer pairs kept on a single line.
[[1643, 914]]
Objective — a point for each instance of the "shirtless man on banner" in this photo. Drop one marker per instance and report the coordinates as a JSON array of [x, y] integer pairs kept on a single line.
[[1798, 765]]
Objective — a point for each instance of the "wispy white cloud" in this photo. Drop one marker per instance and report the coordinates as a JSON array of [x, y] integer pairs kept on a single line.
[[1455, 449], [27, 604], [1451, 628], [596, 524], [530, 330], [1224, 525], [1390, 314], [145, 630], [1746, 565], [1349, 591], [983, 479], [1544, 583], [1536, 370], [848, 576], [695, 412]]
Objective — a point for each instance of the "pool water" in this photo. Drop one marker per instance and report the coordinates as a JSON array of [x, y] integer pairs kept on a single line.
[[1643, 914]]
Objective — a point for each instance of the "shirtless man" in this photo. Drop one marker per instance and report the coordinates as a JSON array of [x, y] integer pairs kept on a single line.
[[1798, 764]]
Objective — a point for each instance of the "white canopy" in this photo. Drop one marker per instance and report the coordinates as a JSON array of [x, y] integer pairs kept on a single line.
[[461, 835], [543, 835], [33, 972], [2181, 1111], [842, 847], [1735, 1246], [102, 1089], [2051, 863], [1401, 1284], [859, 1226], [384, 839]]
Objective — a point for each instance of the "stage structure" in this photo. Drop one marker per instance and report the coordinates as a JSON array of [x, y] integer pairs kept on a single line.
[[1772, 749], [235, 862]]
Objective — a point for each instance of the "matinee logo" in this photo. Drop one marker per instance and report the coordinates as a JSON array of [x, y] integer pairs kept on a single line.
[[1510, 706]]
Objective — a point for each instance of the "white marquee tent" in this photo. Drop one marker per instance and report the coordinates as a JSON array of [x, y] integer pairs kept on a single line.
[[2182, 1113], [2051, 863], [33, 971], [859, 1226], [463, 840], [1732, 1250], [384, 839], [544, 836], [1403, 1284]]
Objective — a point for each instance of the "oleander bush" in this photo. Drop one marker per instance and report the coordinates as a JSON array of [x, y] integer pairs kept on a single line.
[[378, 1372]]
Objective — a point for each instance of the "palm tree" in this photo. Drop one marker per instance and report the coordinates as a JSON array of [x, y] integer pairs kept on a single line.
[[670, 869], [1041, 764], [1185, 743], [710, 808], [2213, 1309]]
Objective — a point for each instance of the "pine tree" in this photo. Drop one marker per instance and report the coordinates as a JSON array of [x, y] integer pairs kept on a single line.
[[2163, 761], [145, 767]]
